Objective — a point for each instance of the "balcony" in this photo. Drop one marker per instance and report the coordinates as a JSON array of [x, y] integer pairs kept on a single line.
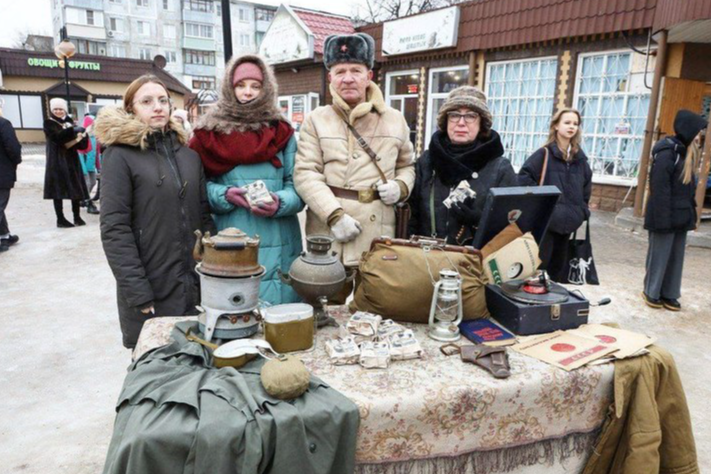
[[199, 44], [199, 70], [86, 31], [199, 17], [263, 26], [88, 4]]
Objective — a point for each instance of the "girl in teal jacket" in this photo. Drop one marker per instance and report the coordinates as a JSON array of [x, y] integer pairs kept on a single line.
[[242, 139]]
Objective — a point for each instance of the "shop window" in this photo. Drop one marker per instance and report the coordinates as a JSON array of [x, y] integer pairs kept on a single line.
[[442, 81], [23, 111], [613, 102], [520, 96], [296, 107], [402, 90]]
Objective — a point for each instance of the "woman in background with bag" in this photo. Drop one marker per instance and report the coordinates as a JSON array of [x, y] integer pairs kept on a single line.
[[242, 139], [561, 163], [671, 209], [464, 151]]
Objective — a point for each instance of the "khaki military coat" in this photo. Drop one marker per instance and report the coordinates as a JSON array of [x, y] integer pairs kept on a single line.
[[328, 155]]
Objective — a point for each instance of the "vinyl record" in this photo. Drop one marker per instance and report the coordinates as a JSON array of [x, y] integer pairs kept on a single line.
[[514, 290]]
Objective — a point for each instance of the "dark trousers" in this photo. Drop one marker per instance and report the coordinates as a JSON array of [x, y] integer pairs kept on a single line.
[[665, 262], [553, 253], [76, 206], [4, 199]]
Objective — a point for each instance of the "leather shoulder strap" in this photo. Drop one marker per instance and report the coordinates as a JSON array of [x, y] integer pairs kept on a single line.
[[545, 167], [363, 144]]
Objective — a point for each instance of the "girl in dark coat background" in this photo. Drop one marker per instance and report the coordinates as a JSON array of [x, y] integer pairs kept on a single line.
[[63, 178], [671, 209], [568, 169], [152, 200], [465, 148]]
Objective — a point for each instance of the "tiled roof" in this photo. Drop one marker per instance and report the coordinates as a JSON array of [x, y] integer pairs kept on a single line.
[[13, 62], [324, 24], [671, 12], [488, 24]]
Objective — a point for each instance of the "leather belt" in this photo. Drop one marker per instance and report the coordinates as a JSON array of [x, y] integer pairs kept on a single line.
[[364, 196]]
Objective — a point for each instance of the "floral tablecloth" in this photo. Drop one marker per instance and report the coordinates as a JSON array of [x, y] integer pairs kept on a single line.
[[439, 407]]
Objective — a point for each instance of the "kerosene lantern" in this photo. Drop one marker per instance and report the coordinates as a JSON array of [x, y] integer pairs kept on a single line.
[[446, 310]]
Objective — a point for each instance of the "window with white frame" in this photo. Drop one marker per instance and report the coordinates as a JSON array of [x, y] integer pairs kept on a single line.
[[144, 53], [144, 28], [442, 82], [613, 102], [116, 24], [166, 4], [141, 3], [80, 16], [117, 50], [171, 57], [90, 17], [520, 96], [401, 92], [243, 14], [199, 5], [198, 30], [169, 31], [244, 39], [23, 111]]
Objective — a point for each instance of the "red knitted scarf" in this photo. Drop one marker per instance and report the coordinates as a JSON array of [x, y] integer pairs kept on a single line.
[[220, 153]]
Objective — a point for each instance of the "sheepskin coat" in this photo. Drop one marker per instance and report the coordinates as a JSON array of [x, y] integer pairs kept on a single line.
[[328, 155], [152, 200]]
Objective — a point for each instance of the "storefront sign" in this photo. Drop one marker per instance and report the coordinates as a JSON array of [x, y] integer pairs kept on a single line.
[[287, 38], [412, 88], [54, 63], [434, 30]]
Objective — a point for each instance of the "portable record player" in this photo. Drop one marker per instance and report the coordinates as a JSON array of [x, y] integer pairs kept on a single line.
[[536, 305]]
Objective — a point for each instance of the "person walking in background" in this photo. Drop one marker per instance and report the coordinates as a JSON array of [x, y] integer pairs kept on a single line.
[[671, 209], [88, 158], [561, 163], [10, 157], [463, 149], [63, 177], [244, 138], [153, 199]]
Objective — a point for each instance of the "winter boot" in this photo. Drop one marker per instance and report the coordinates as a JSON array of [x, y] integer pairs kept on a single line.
[[91, 208]]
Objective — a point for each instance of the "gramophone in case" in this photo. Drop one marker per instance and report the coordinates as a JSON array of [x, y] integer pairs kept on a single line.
[[527, 307]]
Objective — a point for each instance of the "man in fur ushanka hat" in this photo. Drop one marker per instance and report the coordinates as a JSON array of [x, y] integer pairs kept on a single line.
[[349, 195]]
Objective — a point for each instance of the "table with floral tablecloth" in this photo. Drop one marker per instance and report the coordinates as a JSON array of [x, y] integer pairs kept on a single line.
[[438, 414]]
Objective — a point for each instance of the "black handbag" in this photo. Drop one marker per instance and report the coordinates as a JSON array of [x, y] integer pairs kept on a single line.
[[580, 265]]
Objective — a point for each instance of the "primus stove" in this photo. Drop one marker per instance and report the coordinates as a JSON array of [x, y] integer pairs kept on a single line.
[[230, 275]]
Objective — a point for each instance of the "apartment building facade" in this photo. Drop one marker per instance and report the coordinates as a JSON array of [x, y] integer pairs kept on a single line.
[[188, 33]]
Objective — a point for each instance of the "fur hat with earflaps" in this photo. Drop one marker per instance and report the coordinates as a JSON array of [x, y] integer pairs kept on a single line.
[[470, 97], [358, 48]]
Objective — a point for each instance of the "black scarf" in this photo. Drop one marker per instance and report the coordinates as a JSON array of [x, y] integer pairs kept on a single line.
[[454, 163]]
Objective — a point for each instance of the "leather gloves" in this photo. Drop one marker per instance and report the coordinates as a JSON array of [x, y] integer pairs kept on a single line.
[[79, 130], [235, 196], [267, 210], [389, 192], [466, 213], [346, 229]]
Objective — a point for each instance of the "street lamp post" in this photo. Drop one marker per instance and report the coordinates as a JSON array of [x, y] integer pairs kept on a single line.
[[64, 51]]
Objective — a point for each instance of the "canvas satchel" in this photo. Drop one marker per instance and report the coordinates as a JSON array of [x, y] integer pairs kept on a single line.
[[397, 278]]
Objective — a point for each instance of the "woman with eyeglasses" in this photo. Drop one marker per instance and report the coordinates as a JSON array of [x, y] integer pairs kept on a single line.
[[463, 152], [152, 200]]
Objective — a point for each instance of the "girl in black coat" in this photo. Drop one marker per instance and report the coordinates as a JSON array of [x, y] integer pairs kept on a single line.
[[568, 169], [152, 200], [671, 209], [63, 177], [465, 148]]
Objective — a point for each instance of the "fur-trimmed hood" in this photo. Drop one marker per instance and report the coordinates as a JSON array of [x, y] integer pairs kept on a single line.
[[115, 126], [228, 115]]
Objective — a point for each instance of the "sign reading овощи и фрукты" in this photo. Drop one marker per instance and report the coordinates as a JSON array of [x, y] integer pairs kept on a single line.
[[54, 63]]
